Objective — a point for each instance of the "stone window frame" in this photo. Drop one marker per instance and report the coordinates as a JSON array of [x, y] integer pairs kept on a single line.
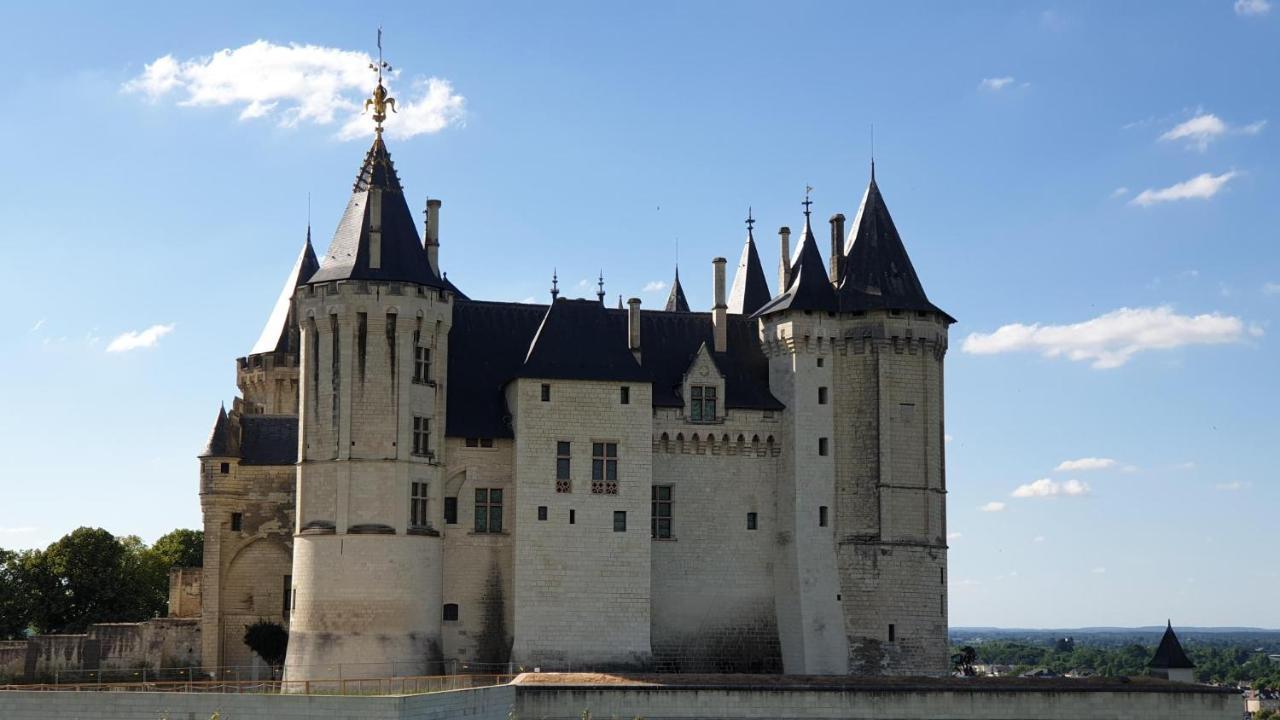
[[483, 443], [451, 510], [487, 513], [422, 436], [418, 497], [620, 521], [604, 467], [421, 361], [660, 512], [703, 403], [564, 466]]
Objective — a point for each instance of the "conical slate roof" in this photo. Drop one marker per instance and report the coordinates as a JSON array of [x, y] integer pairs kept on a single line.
[[221, 443], [877, 273], [676, 301], [810, 287], [750, 290], [277, 335], [1169, 654], [377, 238]]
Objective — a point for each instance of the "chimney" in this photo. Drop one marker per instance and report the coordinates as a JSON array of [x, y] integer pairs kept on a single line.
[[837, 247], [784, 263], [720, 312], [433, 234], [633, 327]]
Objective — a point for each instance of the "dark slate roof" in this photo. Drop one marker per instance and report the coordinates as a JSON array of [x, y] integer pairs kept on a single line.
[[221, 443], [877, 273], [403, 257], [1170, 655], [268, 439], [676, 301], [278, 335], [490, 342], [750, 290], [448, 285], [579, 340], [810, 287]]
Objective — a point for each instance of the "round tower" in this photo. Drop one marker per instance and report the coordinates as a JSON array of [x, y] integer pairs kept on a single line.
[[374, 325]]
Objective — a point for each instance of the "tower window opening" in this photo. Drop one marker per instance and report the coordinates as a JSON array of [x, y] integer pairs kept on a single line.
[[752, 521], [661, 519], [421, 362], [488, 510], [418, 505], [820, 362], [563, 465], [421, 435], [604, 468], [237, 522], [573, 516], [451, 511], [546, 392], [822, 396], [893, 636], [822, 446], [619, 520], [225, 468], [451, 612], [822, 516], [626, 395], [542, 512]]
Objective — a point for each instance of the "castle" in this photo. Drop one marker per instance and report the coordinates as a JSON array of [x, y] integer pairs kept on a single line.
[[414, 481]]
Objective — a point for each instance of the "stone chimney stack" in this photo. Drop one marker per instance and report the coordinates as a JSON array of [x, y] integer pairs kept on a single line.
[[837, 246], [784, 263], [720, 312], [633, 327], [433, 234]]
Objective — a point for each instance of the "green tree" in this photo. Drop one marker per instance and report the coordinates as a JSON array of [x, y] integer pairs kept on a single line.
[[14, 605], [269, 640], [181, 548]]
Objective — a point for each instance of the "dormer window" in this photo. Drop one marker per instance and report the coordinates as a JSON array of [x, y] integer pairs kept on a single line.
[[702, 403]]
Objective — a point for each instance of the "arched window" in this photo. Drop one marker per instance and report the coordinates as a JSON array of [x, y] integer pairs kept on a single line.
[[666, 442]]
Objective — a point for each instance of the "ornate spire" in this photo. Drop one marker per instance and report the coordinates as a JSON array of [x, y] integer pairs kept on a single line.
[[555, 285], [807, 202], [600, 286], [750, 290], [380, 100]]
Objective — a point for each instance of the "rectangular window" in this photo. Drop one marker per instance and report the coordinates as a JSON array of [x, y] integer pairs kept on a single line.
[[542, 512], [479, 442], [751, 521], [661, 521], [237, 521], [225, 468], [819, 362], [822, 516], [451, 612], [488, 510], [473, 442], [486, 442], [604, 468], [619, 520], [288, 588], [626, 395], [822, 396], [421, 362], [563, 464], [892, 635], [702, 403], [418, 505], [573, 517], [546, 392], [451, 511], [822, 446], [421, 435]]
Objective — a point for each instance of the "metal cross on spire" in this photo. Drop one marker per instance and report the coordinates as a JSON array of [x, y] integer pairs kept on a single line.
[[751, 221], [555, 285], [600, 292], [380, 100], [807, 202]]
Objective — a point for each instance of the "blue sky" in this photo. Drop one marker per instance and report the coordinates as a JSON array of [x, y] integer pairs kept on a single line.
[[1089, 187]]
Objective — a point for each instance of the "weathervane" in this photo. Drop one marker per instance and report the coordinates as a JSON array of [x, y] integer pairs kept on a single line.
[[380, 100], [807, 202], [751, 221]]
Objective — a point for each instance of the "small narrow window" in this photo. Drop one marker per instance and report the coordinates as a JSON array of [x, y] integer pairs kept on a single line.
[[751, 521], [626, 395], [488, 510], [573, 516], [542, 512], [421, 435], [942, 576], [563, 465], [822, 446], [892, 634], [822, 516], [288, 587], [942, 604], [604, 468], [546, 392], [237, 521], [820, 362], [473, 442], [451, 612], [418, 505], [619, 520], [822, 396], [451, 511], [225, 468], [661, 514], [421, 361], [486, 442]]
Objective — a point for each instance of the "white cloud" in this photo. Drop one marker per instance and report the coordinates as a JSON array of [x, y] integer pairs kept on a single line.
[[1089, 463], [1200, 187], [954, 536], [655, 286], [946, 438], [1229, 486], [1038, 539], [135, 339], [1110, 340], [995, 84], [1204, 128], [531, 300], [1099, 571], [1045, 487], [1120, 192], [1252, 7], [17, 530], [39, 324], [1271, 288], [298, 83], [993, 506], [1188, 465], [1253, 128]]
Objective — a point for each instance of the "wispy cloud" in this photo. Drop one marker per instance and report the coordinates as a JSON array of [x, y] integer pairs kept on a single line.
[[1252, 7], [39, 324], [298, 84], [1111, 340], [1271, 288], [17, 530], [995, 84], [954, 536], [1200, 187], [135, 339], [1099, 571], [993, 506], [1230, 486], [1120, 192], [1204, 128], [1089, 463], [1046, 487], [1038, 539], [655, 286]]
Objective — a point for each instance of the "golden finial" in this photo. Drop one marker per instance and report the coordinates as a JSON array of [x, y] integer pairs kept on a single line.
[[380, 100]]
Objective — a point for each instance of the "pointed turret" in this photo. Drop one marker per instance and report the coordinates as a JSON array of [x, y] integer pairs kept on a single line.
[[750, 288], [377, 238], [676, 301], [1169, 655], [810, 288], [221, 441], [876, 273], [278, 335]]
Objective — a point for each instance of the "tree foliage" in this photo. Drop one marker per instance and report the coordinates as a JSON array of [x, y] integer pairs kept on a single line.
[[269, 640], [181, 548]]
